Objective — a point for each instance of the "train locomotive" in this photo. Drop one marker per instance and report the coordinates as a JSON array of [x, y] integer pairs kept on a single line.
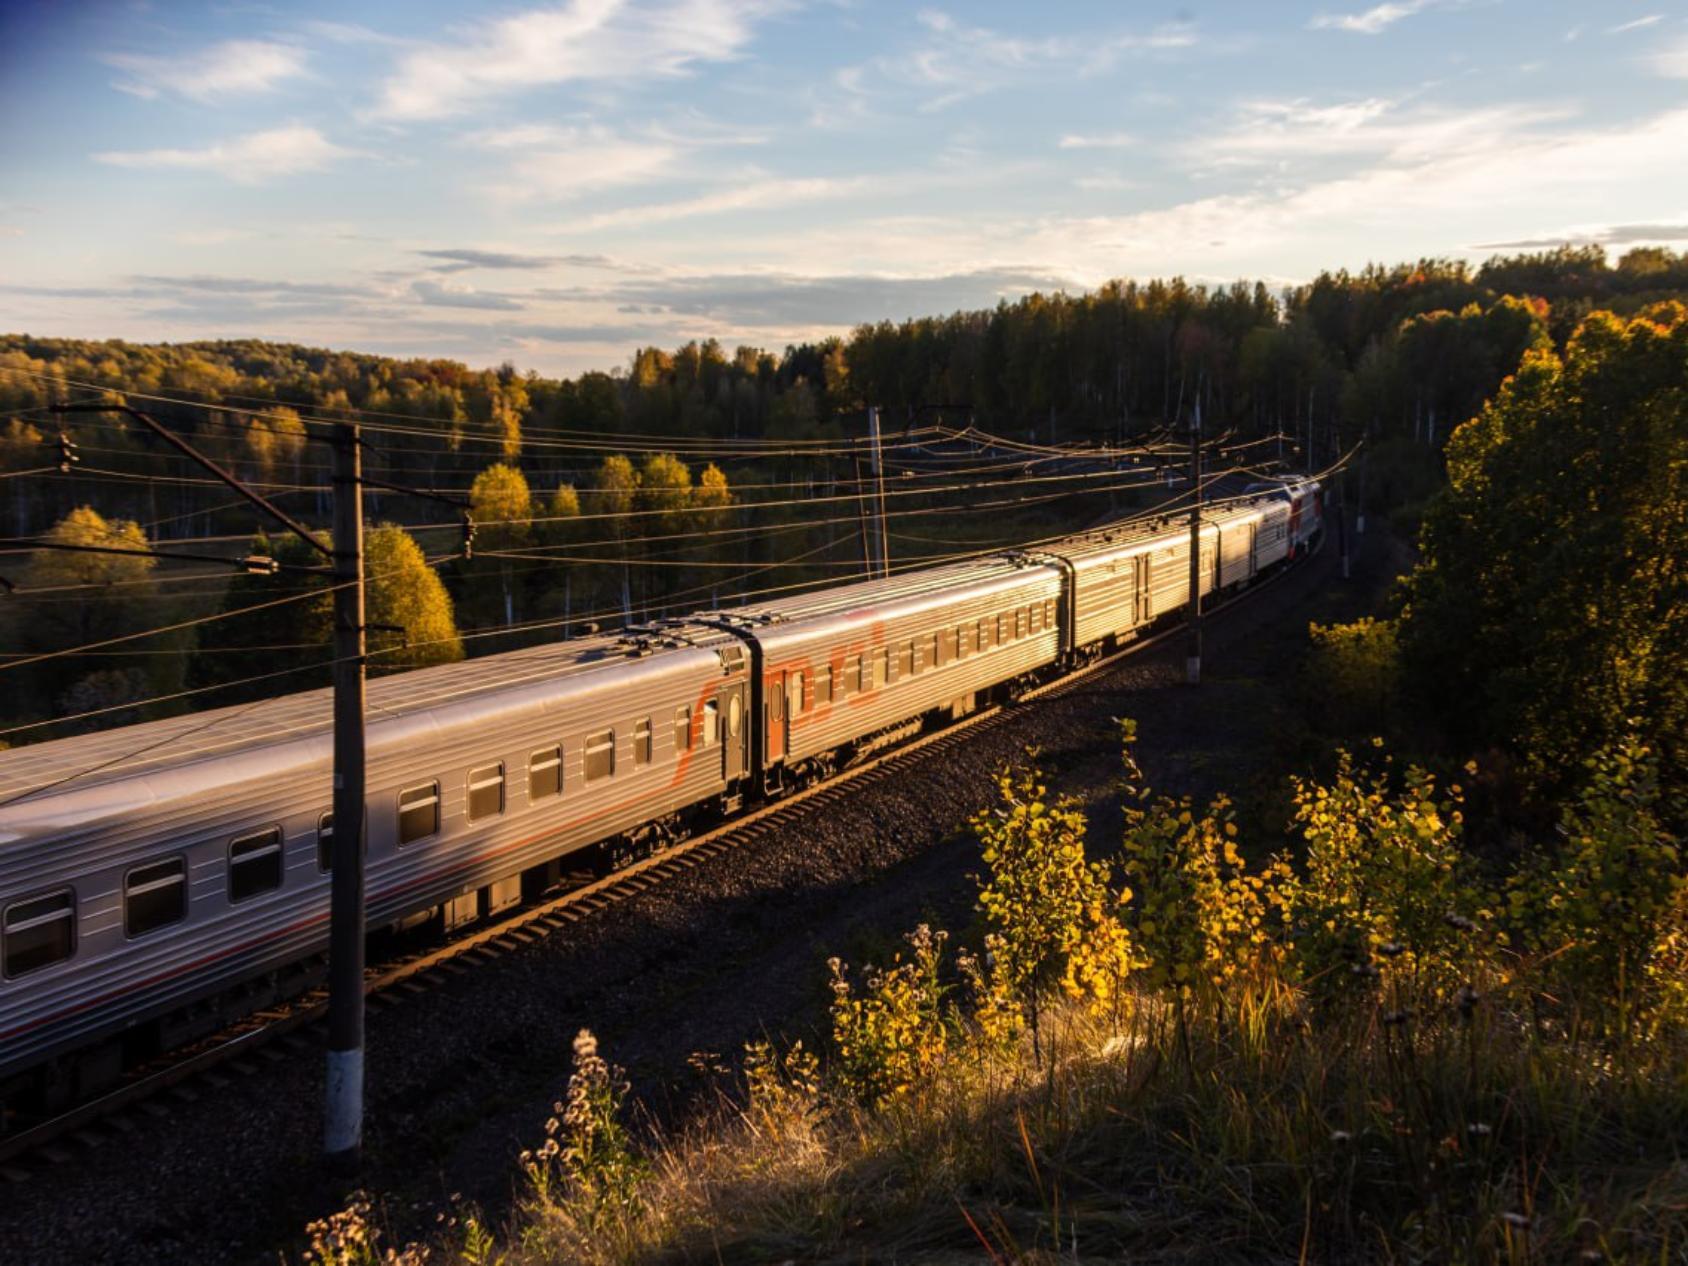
[[158, 879]]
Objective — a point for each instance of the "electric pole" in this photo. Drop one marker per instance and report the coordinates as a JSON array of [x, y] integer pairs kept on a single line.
[[1342, 521], [870, 556], [1193, 657], [878, 457], [343, 1136]]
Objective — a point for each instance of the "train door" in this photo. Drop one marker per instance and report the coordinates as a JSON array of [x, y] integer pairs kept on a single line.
[[1145, 604], [773, 691], [730, 703]]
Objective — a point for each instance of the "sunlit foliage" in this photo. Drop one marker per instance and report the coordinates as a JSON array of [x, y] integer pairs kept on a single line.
[[1551, 607]]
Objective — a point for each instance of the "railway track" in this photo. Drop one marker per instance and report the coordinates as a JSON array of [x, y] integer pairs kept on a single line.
[[291, 1028]]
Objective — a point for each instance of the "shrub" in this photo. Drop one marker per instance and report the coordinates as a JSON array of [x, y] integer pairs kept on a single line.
[[893, 1033], [586, 1143], [1353, 675], [1384, 896], [1052, 915], [1606, 916], [1201, 919]]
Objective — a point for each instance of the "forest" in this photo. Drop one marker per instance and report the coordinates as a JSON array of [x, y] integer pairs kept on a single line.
[[696, 476]]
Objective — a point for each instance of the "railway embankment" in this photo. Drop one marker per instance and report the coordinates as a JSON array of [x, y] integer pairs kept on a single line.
[[674, 980]]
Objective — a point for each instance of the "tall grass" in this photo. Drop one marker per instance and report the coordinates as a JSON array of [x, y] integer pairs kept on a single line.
[[1348, 1055]]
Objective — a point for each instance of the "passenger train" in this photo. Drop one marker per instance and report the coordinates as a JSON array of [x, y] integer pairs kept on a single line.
[[158, 878]]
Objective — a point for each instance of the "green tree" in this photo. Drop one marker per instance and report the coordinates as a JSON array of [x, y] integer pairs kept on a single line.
[[665, 493], [560, 532], [91, 597], [616, 485], [502, 507], [296, 635], [1552, 601], [404, 592]]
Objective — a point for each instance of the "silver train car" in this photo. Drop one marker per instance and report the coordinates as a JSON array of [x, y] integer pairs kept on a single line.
[[157, 879]]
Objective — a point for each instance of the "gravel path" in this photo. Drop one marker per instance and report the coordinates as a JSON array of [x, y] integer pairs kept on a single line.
[[461, 1078]]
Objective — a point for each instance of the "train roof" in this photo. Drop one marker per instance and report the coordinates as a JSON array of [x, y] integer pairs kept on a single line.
[[90, 760], [905, 591], [1138, 534]]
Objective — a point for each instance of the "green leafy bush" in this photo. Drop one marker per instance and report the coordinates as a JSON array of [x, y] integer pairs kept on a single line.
[[1605, 914]]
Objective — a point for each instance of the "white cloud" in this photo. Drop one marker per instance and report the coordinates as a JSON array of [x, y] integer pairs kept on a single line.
[[248, 160], [1478, 191], [557, 166], [232, 68], [954, 61], [448, 294], [1100, 140], [1671, 62], [757, 195], [1636, 25], [1274, 132], [1373, 20], [582, 40]]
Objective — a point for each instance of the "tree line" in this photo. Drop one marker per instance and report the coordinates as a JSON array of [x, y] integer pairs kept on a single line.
[[581, 515]]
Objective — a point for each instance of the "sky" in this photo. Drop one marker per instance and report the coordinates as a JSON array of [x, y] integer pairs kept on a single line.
[[556, 184]]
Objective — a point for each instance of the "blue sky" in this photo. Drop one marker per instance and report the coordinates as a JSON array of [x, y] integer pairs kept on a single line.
[[556, 183]]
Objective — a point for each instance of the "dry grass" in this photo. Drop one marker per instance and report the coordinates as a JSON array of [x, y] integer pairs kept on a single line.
[[1245, 1138]]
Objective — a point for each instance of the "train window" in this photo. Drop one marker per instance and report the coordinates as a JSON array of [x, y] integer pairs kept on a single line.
[[38, 933], [853, 683], [823, 684], [682, 730], [155, 896], [931, 651], [881, 667], [600, 755], [545, 773], [1004, 627], [905, 660], [711, 723], [963, 636], [985, 633], [799, 701], [947, 650], [642, 742], [1035, 614], [1019, 623], [1049, 613], [254, 864], [486, 792], [419, 812]]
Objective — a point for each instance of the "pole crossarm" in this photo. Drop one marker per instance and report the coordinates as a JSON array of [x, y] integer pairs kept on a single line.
[[194, 455], [461, 503]]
